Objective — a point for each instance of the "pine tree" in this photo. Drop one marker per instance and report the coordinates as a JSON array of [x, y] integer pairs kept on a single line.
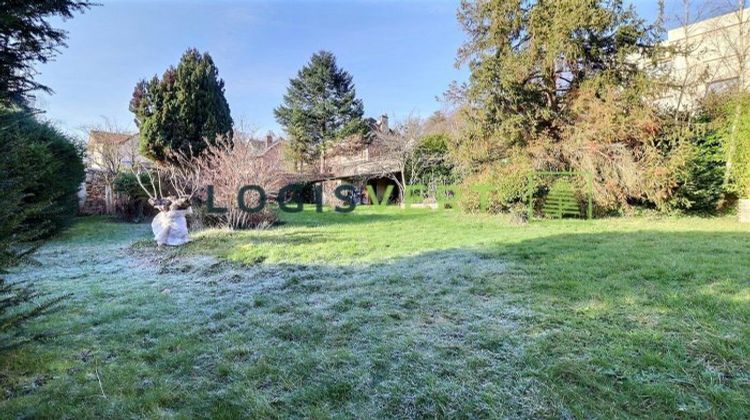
[[319, 108], [183, 110], [27, 38], [21, 302]]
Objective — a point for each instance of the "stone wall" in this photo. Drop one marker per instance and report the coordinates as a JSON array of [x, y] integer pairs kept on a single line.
[[93, 194]]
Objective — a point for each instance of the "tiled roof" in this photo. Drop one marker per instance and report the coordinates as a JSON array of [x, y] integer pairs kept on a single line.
[[101, 137]]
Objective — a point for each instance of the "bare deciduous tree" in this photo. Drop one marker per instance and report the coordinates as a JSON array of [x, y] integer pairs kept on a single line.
[[182, 175], [115, 152], [226, 165], [229, 167], [400, 157], [730, 42], [687, 72]]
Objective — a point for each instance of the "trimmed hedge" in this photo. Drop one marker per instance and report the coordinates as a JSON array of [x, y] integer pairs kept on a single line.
[[42, 172]]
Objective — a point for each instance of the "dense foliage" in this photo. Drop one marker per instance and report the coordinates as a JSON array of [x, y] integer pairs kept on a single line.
[[182, 111], [320, 107], [432, 152], [40, 168], [28, 38], [127, 184], [134, 200], [734, 120], [496, 188], [556, 83], [14, 211], [701, 182], [717, 170], [41, 172]]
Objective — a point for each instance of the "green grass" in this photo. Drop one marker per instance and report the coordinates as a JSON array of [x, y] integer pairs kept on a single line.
[[393, 314]]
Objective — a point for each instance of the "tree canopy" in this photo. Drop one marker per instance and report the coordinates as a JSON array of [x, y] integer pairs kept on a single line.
[[563, 84], [319, 108], [183, 110], [27, 38]]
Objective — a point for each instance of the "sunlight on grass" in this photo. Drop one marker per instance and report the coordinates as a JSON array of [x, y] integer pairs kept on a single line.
[[394, 314]]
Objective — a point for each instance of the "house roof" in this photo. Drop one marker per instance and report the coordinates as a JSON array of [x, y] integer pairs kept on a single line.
[[104, 137], [265, 147]]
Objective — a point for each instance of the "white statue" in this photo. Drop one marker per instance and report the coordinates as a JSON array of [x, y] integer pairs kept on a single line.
[[170, 226]]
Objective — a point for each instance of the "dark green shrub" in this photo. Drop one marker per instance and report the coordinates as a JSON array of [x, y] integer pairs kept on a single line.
[[134, 206], [41, 173], [507, 185], [701, 182], [14, 212], [718, 169], [127, 184], [46, 170], [182, 112], [61, 180], [433, 152]]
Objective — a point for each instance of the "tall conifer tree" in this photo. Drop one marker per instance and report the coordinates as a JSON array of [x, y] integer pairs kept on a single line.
[[319, 108], [183, 109]]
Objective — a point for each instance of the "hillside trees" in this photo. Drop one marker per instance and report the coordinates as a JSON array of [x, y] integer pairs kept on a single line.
[[178, 112], [320, 108]]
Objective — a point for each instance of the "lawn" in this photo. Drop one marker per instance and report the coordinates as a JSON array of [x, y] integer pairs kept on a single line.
[[393, 313]]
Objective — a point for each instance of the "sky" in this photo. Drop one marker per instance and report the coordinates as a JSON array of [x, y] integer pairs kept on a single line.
[[401, 54]]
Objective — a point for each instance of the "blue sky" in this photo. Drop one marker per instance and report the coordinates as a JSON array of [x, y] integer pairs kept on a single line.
[[400, 53]]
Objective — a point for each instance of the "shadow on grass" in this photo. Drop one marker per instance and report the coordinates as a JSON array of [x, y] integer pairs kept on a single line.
[[643, 323], [651, 266], [640, 322], [594, 324]]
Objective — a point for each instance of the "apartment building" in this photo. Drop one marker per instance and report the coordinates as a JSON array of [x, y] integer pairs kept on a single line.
[[710, 55]]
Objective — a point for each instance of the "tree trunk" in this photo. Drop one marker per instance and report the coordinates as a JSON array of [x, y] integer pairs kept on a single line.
[[401, 188], [109, 199]]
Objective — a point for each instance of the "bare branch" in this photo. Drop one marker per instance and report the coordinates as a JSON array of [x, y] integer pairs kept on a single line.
[[397, 153]]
